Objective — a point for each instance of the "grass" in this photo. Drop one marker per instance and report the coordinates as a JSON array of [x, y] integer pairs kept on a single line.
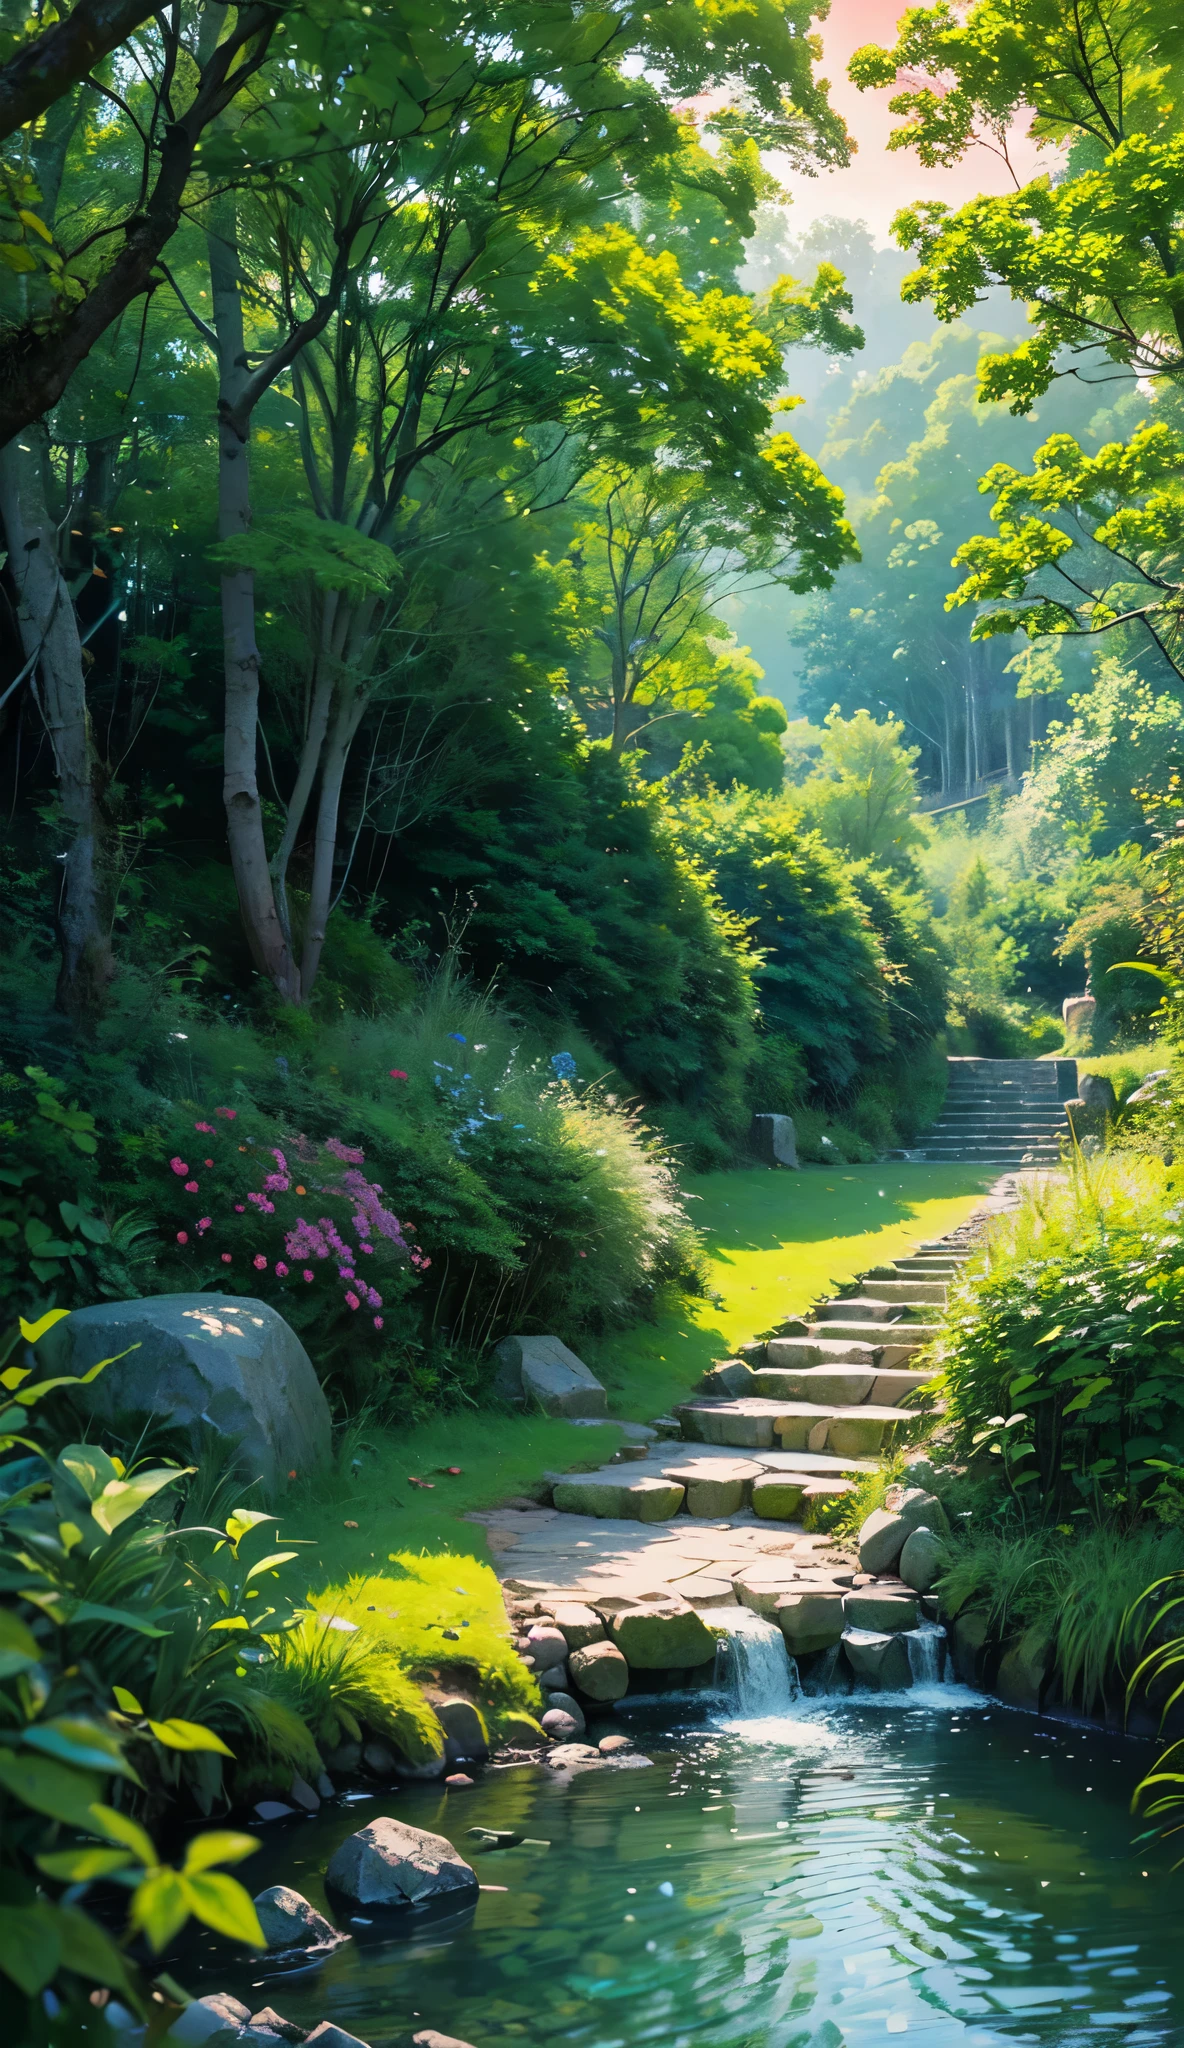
[[775, 1242], [1127, 1070]]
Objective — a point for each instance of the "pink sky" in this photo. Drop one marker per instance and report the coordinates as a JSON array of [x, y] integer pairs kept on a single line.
[[878, 182]]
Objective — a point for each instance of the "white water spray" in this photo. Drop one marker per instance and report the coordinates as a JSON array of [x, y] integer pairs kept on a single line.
[[926, 1648], [754, 1667]]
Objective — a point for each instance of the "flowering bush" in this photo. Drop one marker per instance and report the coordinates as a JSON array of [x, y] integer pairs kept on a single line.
[[296, 1222]]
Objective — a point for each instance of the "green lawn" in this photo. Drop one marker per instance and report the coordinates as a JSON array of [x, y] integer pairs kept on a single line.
[[776, 1241]]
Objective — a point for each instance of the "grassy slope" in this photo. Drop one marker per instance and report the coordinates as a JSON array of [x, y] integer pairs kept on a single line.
[[775, 1241]]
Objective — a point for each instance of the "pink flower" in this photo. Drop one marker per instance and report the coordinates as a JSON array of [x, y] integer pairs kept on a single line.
[[367, 1248], [351, 1299], [179, 1167], [229, 1114], [259, 1262], [348, 1153], [209, 1162], [378, 1319], [208, 1128], [345, 1272], [182, 1237], [240, 1208], [397, 1074], [281, 1271], [191, 1187], [226, 1258], [203, 1222], [307, 1274]]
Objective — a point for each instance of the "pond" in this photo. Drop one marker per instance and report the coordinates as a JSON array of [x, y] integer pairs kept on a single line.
[[928, 1864]]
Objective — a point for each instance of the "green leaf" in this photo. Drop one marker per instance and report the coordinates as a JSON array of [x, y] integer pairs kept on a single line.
[[50, 1787], [76, 1741], [266, 1564], [126, 1700], [1050, 1336], [30, 1946], [84, 1864], [160, 1907], [34, 1332], [90, 1468], [87, 1949], [93, 1610], [1087, 1394], [18, 1645], [125, 1497], [188, 1735], [224, 1904], [120, 1827], [220, 1845], [243, 1520]]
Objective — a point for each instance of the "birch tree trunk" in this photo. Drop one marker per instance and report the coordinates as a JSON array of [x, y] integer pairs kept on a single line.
[[49, 638]]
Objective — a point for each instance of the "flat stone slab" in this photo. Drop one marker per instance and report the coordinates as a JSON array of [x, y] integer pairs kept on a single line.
[[841, 1384], [544, 1373], [799, 1353], [619, 1494], [909, 1291], [853, 1308]]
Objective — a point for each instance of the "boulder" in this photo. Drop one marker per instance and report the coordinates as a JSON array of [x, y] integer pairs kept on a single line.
[[881, 1539], [809, 1621], [922, 1560], [289, 1921], [879, 1660], [269, 2025], [857, 1436], [704, 1591], [1096, 1091], [465, 1733], [429, 2038], [970, 1638], [198, 1363], [626, 1500], [883, 1612], [920, 1510], [713, 1486], [211, 2019], [1078, 1013], [600, 1671], [1023, 1670], [564, 1718], [773, 1139], [777, 1500], [542, 1372], [667, 1636], [579, 1626], [569, 1756], [329, 2036], [728, 1376], [391, 1863], [554, 1679]]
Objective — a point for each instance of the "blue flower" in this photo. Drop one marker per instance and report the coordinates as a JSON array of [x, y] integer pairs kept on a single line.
[[459, 1037], [563, 1066]]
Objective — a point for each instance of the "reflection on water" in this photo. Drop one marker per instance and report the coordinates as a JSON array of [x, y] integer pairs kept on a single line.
[[938, 1868]]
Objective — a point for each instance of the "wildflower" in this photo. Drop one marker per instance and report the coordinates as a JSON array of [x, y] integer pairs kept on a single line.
[[307, 1274], [349, 1153], [226, 1258], [229, 1114], [281, 1271], [459, 1037], [191, 1187], [291, 1475], [302, 1191], [179, 1167], [351, 1299], [259, 1262], [563, 1066], [378, 1322], [367, 1248], [581, 1255], [207, 1128], [240, 1208], [397, 1074], [182, 1237], [345, 1272], [204, 1222]]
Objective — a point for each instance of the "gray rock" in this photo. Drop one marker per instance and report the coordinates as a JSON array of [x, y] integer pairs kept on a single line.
[[880, 1660], [272, 2026], [600, 1671], [1023, 1670], [429, 2038], [302, 1794], [542, 1372], [562, 1726], [579, 1626], [289, 1921], [728, 1376], [208, 2019], [569, 1756], [1078, 1013], [920, 1510], [329, 2036], [465, 1733], [922, 1560], [1097, 1093], [272, 1809], [391, 1863], [554, 1679], [773, 1140], [971, 1636], [882, 1612], [881, 1540], [547, 1645], [667, 1636], [380, 1758], [202, 1362]]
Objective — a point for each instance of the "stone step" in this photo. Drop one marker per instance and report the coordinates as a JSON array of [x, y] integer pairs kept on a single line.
[[885, 1336], [908, 1293], [618, 1493], [753, 1423], [856, 1308], [797, 1352], [843, 1385]]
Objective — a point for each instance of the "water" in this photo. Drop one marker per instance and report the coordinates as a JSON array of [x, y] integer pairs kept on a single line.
[[927, 1654], [954, 1873], [753, 1669]]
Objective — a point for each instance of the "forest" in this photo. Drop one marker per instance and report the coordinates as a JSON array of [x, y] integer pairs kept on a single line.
[[517, 657]]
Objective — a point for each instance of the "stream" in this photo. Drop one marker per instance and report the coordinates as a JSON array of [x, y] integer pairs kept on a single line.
[[790, 1870]]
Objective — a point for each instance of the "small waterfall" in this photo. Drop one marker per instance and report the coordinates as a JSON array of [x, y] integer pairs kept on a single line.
[[754, 1669], [927, 1653]]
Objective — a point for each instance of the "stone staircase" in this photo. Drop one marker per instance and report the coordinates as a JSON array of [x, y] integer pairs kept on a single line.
[[807, 1408], [1007, 1113]]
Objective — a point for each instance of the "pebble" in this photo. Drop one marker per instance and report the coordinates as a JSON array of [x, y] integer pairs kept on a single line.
[[272, 1809], [458, 1781], [612, 1745]]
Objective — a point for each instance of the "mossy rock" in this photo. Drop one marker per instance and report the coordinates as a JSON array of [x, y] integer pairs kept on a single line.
[[663, 1638], [776, 1500]]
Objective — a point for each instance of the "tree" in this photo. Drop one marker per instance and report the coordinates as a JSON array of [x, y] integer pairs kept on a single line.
[[1095, 251], [862, 797]]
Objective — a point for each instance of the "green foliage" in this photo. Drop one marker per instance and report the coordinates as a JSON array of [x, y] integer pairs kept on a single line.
[[863, 797]]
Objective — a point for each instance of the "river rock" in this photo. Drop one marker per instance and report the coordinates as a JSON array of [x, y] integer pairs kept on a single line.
[[667, 1636], [542, 1372], [809, 1621], [547, 1645], [880, 1660], [614, 1745], [329, 2036], [199, 1363], [578, 1625], [391, 1863], [465, 1733], [922, 1560], [881, 1540], [429, 2038], [777, 1500], [211, 2019], [554, 1679], [881, 1612], [564, 1718], [600, 1671], [970, 1638], [728, 1377], [289, 1921], [269, 2025], [1023, 1670]]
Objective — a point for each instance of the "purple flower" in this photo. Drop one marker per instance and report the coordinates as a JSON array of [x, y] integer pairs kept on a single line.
[[349, 1153]]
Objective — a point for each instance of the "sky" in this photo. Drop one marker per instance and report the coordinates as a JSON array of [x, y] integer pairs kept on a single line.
[[877, 181]]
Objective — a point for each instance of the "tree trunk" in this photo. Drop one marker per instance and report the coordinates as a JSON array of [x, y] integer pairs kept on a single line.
[[49, 636], [346, 721], [269, 945]]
